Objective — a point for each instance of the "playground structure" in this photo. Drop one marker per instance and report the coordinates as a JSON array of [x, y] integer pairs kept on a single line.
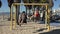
[[14, 9], [47, 14], [14, 5]]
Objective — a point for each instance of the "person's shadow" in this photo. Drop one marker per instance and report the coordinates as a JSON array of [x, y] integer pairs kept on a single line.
[[56, 31], [39, 30]]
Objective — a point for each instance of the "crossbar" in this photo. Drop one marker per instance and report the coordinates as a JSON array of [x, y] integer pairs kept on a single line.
[[30, 3]]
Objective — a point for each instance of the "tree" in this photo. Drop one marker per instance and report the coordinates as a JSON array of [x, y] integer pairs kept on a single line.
[[10, 2], [0, 3], [59, 5], [13, 1]]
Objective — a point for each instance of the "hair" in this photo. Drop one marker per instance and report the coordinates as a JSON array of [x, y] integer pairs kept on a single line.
[[23, 12]]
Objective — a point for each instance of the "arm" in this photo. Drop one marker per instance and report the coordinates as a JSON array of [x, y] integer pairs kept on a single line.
[[19, 18]]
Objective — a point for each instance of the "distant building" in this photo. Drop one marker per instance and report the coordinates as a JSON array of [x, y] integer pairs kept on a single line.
[[56, 11]]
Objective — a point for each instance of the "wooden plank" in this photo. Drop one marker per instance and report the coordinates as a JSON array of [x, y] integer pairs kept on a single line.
[[30, 4]]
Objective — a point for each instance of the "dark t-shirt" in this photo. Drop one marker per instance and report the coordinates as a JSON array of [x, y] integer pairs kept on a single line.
[[23, 17]]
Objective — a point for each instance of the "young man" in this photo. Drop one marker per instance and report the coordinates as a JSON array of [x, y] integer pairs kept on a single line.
[[36, 15], [22, 18]]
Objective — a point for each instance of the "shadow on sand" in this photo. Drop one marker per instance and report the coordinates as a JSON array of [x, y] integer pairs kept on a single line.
[[56, 31], [55, 21], [39, 30]]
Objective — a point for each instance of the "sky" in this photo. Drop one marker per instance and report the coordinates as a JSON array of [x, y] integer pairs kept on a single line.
[[56, 4], [5, 7]]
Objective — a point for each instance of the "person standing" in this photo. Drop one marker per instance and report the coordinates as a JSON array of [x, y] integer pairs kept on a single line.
[[36, 15]]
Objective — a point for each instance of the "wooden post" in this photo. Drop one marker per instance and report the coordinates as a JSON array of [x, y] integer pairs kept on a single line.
[[26, 10], [33, 11], [10, 14], [3, 15], [48, 17], [17, 12], [11, 27], [14, 23]]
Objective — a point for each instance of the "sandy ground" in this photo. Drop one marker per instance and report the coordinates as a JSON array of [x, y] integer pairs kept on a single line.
[[29, 28]]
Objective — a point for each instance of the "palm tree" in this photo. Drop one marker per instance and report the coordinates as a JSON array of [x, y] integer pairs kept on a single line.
[[10, 2], [51, 3], [59, 5], [55, 0], [13, 1], [0, 3]]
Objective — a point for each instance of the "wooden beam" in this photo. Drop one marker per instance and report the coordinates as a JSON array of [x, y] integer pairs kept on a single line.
[[30, 4]]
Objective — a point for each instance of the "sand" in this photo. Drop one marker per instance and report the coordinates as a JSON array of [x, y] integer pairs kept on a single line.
[[29, 28]]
